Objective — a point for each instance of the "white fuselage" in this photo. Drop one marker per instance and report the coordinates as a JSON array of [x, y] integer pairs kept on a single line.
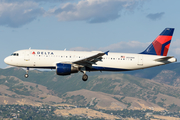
[[34, 58]]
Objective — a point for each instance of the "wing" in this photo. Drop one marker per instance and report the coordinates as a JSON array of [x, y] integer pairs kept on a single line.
[[91, 60]]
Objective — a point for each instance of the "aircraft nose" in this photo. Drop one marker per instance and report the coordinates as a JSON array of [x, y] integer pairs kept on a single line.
[[7, 60]]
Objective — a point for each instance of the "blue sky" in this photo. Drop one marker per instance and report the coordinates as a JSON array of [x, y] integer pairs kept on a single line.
[[115, 25]]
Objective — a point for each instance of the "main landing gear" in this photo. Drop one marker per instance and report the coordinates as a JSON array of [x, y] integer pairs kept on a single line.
[[26, 75], [84, 77]]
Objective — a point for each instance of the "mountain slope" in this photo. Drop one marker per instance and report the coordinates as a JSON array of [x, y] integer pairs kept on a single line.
[[150, 73], [122, 90]]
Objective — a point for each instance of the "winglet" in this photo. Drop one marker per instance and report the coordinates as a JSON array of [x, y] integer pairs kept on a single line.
[[106, 52]]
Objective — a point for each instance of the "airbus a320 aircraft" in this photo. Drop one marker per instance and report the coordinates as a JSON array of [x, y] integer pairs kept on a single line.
[[67, 62]]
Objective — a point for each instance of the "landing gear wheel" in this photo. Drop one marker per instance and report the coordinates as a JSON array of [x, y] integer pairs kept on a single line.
[[84, 77], [26, 75]]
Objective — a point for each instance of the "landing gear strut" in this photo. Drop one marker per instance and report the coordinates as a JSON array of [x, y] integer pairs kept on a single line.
[[26, 75]]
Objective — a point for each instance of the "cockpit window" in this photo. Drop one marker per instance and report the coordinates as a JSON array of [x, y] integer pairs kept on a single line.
[[15, 54]]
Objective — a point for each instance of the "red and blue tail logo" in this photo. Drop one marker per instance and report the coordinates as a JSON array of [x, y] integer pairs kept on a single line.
[[160, 45]]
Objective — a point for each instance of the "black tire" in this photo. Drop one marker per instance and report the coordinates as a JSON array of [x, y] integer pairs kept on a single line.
[[26, 75], [84, 77]]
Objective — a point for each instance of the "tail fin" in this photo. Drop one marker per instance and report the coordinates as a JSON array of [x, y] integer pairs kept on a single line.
[[160, 45]]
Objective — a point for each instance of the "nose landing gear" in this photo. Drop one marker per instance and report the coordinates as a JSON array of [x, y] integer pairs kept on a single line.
[[26, 75]]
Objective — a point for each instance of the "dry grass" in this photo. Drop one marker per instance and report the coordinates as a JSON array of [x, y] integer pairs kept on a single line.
[[158, 117], [168, 99], [87, 112]]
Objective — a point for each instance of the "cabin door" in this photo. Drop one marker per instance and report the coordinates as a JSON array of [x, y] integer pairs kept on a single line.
[[140, 60], [27, 56]]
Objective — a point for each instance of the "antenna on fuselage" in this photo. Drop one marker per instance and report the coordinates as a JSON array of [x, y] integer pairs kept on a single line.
[[29, 48], [65, 49]]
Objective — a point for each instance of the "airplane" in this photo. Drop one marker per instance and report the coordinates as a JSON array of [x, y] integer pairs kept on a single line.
[[68, 62]]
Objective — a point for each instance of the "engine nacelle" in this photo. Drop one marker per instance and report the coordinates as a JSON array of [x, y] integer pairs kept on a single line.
[[65, 69]]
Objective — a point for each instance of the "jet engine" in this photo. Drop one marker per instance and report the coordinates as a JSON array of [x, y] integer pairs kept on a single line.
[[65, 69]]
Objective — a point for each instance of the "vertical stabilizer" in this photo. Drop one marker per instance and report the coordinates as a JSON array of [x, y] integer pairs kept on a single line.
[[160, 45]]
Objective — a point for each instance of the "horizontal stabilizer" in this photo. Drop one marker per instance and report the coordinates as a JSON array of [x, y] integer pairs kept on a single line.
[[164, 59]]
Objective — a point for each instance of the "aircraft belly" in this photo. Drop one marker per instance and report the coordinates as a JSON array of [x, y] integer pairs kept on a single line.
[[114, 66]]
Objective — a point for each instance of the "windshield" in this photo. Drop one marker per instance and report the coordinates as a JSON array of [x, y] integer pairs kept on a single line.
[[15, 54]]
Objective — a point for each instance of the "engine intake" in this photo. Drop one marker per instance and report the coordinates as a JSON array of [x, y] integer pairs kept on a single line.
[[65, 69]]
